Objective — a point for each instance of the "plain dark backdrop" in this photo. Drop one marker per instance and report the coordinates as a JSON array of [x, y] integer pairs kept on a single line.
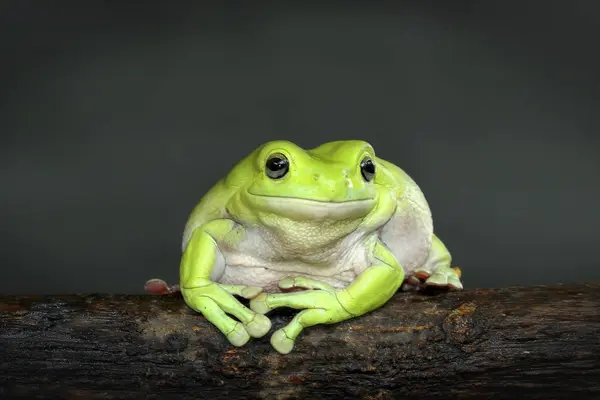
[[117, 117]]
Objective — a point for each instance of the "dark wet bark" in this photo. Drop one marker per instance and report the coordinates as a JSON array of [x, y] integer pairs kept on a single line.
[[541, 342]]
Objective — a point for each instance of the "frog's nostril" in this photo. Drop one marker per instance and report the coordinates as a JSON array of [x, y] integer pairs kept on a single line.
[[316, 177]]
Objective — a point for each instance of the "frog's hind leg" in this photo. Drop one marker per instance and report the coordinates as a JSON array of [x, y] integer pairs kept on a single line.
[[436, 270]]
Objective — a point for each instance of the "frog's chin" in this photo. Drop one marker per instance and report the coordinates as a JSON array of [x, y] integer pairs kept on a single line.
[[306, 209]]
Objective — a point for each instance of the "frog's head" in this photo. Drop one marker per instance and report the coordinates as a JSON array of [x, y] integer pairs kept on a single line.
[[334, 181]]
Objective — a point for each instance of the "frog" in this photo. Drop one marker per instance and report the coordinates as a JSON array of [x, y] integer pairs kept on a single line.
[[332, 232]]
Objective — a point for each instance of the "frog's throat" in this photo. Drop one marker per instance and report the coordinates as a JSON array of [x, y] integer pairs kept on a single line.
[[298, 208]]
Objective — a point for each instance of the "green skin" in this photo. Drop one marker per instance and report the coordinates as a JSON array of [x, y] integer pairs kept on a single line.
[[322, 227]]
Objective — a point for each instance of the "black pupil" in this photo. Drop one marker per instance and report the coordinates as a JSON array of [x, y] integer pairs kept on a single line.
[[368, 167], [276, 164]]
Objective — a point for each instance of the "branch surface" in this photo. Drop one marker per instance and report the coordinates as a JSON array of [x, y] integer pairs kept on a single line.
[[538, 342]]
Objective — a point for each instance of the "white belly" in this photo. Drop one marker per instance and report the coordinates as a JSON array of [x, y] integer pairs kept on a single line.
[[256, 263]]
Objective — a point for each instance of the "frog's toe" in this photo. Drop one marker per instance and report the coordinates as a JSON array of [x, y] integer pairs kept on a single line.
[[445, 277], [250, 292], [259, 326], [411, 283], [238, 336], [455, 283], [281, 342], [457, 271], [288, 284], [247, 292], [437, 280], [259, 304], [302, 283], [421, 275]]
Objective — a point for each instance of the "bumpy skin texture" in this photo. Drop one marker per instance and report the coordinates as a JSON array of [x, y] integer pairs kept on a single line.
[[322, 223]]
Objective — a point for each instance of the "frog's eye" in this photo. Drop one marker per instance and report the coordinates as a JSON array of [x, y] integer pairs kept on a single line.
[[367, 169], [277, 166]]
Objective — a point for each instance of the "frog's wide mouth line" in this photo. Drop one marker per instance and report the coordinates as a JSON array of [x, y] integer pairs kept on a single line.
[[285, 205], [309, 201]]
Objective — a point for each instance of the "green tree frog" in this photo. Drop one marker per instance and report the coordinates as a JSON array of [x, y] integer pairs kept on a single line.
[[333, 232]]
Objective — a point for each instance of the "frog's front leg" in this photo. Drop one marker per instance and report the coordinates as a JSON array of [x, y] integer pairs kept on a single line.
[[436, 270], [201, 262], [323, 304]]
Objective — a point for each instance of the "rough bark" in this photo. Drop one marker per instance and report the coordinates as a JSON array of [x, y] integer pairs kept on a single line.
[[540, 342]]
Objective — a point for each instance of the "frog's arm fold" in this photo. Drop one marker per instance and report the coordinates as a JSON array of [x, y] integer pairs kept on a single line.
[[374, 286], [323, 304], [201, 262]]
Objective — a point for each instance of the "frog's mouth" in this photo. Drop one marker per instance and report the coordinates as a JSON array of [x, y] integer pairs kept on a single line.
[[299, 208]]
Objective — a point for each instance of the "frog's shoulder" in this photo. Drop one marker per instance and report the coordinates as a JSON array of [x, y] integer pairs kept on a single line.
[[392, 176], [400, 183], [213, 204], [210, 207]]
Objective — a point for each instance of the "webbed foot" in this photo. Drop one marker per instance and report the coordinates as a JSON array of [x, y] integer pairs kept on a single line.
[[215, 301], [442, 277], [318, 302]]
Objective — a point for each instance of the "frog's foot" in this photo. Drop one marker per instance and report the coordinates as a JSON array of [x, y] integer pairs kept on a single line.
[[160, 287], [288, 285], [247, 292], [319, 306], [291, 284], [411, 284], [215, 301], [442, 277], [259, 325], [283, 339]]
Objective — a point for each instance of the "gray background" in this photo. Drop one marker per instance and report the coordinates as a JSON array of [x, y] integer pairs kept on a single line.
[[115, 119]]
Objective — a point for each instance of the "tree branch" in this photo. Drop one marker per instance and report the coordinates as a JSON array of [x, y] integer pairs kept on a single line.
[[539, 342]]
